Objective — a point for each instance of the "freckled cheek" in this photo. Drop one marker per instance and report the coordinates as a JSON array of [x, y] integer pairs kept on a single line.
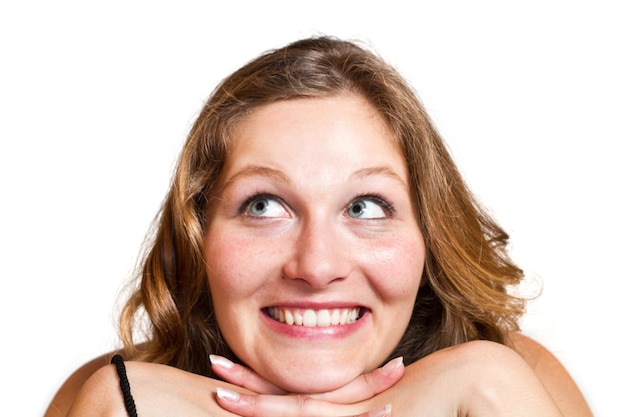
[[396, 269], [236, 267]]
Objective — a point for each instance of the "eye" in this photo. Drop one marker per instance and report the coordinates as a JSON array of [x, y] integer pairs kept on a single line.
[[264, 206], [369, 208]]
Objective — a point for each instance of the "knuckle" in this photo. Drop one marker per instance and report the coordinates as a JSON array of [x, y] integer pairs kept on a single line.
[[255, 406], [302, 404], [244, 374], [371, 383]]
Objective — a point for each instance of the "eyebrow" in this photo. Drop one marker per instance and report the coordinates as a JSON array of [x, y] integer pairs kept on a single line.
[[277, 175], [378, 170], [255, 171]]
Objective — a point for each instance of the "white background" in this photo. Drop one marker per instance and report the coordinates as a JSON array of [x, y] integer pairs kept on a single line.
[[96, 99]]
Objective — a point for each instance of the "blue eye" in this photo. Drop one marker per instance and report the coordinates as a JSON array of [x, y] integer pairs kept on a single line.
[[368, 208], [264, 206]]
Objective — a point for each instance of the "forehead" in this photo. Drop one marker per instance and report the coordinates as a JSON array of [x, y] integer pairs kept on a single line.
[[339, 129]]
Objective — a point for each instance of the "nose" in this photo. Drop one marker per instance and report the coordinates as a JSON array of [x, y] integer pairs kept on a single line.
[[319, 255]]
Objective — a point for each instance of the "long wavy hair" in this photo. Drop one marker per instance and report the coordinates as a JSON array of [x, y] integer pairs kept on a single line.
[[468, 273]]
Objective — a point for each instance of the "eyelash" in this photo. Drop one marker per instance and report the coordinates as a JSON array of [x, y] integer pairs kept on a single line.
[[243, 208], [376, 198]]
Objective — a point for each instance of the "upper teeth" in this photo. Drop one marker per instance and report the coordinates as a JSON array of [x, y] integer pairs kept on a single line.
[[312, 318]]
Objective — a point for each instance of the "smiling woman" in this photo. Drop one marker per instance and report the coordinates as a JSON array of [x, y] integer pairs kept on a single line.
[[330, 232], [317, 236]]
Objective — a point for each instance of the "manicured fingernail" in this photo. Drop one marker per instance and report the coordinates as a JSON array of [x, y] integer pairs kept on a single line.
[[391, 366], [221, 361], [227, 395], [381, 412]]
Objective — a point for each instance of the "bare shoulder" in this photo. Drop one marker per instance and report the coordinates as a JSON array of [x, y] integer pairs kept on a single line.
[[64, 398], [552, 374]]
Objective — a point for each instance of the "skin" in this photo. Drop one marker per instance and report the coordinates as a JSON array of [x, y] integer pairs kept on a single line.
[[475, 378], [312, 164], [321, 251]]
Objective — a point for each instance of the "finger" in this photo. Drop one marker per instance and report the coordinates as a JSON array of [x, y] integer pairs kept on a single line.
[[246, 405], [384, 411], [367, 385], [242, 376]]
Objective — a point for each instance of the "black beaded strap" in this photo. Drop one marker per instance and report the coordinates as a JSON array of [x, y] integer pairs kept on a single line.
[[129, 403]]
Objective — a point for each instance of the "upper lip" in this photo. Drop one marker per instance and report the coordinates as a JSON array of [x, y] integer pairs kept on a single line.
[[316, 305]]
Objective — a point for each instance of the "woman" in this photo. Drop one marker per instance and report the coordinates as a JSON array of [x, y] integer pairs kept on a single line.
[[315, 230]]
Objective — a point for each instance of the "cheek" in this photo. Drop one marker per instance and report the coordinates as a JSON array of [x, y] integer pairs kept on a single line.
[[236, 267], [397, 268], [227, 273], [231, 282]]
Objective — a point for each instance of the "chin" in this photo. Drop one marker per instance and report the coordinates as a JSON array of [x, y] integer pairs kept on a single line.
[[314, 380]]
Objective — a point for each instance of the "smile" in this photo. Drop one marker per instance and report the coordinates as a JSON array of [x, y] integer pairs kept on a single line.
[[314, 318]]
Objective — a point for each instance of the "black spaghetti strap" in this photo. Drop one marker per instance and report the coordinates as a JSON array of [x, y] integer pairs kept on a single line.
[[129, 402]]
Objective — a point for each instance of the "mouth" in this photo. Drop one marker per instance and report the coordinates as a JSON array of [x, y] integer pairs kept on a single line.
[[315, 317]]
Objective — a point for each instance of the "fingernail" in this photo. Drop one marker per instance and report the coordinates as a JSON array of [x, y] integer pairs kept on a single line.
[[228, 395], [221, 361], [381, 412], [391, 366]]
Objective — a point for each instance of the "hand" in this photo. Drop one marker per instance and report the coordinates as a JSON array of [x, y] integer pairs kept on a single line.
[[361, 388], [291, 406], [271, 400], [271, 403]]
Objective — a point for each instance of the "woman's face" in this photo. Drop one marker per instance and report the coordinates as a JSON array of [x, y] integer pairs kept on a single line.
[[313, 252]]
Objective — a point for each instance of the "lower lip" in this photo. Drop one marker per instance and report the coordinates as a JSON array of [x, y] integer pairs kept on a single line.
[[317, 333]]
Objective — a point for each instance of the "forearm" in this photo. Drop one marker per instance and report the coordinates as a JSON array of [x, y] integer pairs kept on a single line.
[[472, 379]]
